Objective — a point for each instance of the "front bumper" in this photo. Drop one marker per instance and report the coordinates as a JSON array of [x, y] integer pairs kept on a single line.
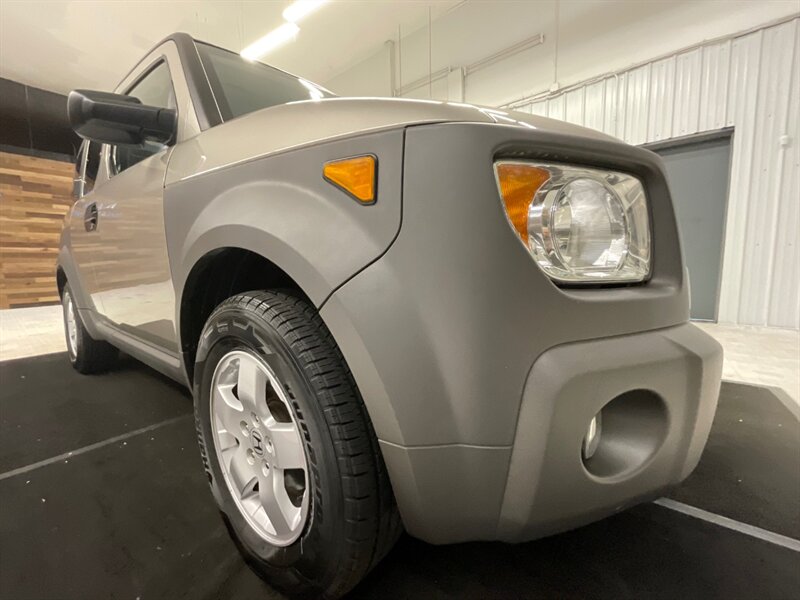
[[666, 383], [661, 391]]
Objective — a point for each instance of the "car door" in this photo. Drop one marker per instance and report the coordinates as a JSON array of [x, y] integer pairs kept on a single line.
[[83, 239], [132, 278]]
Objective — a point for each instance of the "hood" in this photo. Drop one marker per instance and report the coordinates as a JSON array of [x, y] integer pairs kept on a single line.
[[296, 124]]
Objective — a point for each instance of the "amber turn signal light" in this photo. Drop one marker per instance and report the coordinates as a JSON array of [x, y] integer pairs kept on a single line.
[[355, 175], [518, 185]]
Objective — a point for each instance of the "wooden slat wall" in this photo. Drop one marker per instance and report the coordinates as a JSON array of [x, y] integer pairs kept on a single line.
[[35, 194]]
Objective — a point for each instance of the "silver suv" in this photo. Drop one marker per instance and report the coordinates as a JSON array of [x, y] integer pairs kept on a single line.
[[463, 322]]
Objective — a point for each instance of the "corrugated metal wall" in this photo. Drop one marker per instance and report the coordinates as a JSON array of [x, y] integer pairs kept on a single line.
[[752, 83]]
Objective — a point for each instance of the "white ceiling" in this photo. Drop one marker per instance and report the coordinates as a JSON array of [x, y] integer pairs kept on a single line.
[[59, 45]]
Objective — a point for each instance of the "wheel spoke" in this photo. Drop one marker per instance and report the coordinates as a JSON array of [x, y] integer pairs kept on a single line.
[[275, 502], [288, 445], [252, 386], [242, 473], [228, 410], [227, 441]]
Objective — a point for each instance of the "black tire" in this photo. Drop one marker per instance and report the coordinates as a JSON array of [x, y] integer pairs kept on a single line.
[[87, 354], [352, 516]]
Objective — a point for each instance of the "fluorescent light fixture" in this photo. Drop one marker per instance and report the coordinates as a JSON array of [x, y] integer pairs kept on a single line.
[[300, 8], [272, 40]]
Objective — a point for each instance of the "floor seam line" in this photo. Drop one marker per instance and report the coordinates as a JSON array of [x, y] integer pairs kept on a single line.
[[732, 524], [89, 448]]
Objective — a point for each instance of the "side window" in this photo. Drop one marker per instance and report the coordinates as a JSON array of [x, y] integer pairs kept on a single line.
[[87, 163], [92, 166], [155, 89], [77, 178]]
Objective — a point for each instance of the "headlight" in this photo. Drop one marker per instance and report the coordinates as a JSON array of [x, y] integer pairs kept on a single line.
[[579, 224]]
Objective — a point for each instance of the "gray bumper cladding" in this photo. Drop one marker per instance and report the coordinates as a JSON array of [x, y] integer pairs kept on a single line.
[[657, 392]]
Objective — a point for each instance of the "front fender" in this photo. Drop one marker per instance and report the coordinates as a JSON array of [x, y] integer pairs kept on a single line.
[[281, 208]]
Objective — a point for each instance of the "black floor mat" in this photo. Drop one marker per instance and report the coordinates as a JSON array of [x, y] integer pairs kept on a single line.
[[750, 469], [136, 519], [47, 409]]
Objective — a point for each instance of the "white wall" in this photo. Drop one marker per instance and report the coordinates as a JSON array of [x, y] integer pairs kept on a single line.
[[749, 82], [370, 77], [594, 36]]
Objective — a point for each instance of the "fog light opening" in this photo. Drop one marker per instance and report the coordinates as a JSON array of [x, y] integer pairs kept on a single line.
[[592, 438], [623, 436]]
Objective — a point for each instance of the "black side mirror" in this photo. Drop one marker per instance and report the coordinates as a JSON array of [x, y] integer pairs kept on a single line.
[[116, 119]]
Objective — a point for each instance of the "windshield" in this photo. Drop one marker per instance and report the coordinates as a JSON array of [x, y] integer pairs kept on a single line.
[[242, 86]]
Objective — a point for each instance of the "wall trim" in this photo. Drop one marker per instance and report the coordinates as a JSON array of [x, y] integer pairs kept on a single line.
[[547, 94]]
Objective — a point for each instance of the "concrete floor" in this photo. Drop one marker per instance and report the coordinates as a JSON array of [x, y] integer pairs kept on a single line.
[[756, 355], [759, 355]]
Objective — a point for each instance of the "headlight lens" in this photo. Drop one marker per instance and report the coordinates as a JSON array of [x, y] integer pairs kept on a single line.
[[579, 224]]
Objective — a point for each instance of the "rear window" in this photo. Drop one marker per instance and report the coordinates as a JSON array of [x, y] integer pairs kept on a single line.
[[242, 86]]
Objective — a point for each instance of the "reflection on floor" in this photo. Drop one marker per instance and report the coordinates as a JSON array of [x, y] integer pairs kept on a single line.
[[758, 355]]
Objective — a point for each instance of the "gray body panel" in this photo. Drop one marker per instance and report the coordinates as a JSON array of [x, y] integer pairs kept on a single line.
[[478, 372], [133, 285], [78, 249], [298, 124]]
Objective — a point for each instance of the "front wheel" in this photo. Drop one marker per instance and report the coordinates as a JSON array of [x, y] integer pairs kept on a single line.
[[290, 453]]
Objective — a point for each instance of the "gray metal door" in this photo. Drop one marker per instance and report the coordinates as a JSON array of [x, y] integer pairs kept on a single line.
[[698, 172]]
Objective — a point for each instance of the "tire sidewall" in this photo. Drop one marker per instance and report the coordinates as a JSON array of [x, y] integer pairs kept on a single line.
[[313, 557]]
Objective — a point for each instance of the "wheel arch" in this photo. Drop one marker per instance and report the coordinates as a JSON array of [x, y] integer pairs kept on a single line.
[[233, 270], [67, 273], [238, 269], [61, 280]]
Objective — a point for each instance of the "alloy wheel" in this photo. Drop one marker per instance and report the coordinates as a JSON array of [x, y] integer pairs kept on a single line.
[[259, 447], [72, 325]]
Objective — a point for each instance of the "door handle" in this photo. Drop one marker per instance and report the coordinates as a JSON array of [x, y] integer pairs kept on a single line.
[[90, 217]]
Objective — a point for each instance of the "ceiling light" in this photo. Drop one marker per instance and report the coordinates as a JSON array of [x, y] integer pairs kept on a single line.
[[272, 40], [300, 8]]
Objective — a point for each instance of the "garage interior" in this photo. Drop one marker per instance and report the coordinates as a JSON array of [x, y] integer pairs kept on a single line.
[[102, 491]]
